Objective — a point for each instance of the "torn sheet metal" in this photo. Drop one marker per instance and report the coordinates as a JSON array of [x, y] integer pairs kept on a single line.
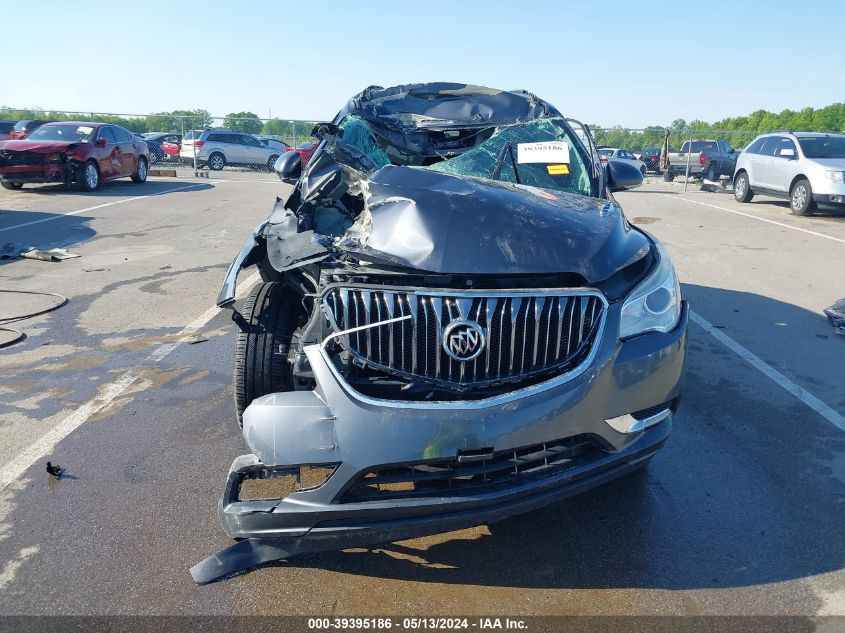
[[17, 251], [836, 315], [447, 224]]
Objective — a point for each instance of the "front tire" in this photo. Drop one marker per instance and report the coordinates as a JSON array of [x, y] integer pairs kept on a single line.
[[12, 186], [140, 174], [216, 162], [89, 176], [261, 350], [272, 162], [742, 188], [668, 175], [801, 198], [642, 170]]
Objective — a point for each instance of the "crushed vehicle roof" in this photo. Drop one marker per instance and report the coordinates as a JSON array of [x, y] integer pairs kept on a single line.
[[446, 104]]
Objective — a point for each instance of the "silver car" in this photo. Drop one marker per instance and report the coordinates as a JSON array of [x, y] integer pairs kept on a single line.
[[808, 168], [218, 148], [621, 154]]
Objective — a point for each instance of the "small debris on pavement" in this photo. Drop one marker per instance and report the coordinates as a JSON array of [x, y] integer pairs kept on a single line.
[[836, 316], [56, 471], [12, 250], [199, 340]]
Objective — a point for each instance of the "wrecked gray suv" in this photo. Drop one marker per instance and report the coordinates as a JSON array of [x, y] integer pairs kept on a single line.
[[456, 324]]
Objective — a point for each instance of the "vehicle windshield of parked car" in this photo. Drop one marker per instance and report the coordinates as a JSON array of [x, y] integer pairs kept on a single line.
[[539, 153], [606, 152], [823, 146], [71, 133]]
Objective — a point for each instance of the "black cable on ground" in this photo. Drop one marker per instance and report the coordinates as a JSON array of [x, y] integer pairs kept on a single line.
[[6, 320]]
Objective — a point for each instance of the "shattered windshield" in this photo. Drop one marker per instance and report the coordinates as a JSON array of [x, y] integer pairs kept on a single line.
[[539, 153], [71, 133]]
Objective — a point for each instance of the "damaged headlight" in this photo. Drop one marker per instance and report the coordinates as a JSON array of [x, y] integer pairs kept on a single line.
[[54, 158], [654, 305]]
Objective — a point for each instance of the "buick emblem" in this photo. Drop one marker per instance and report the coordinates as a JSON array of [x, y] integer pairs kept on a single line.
[[463, 340]]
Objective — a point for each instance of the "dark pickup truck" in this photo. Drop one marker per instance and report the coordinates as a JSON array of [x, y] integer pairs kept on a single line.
[[707, 159]]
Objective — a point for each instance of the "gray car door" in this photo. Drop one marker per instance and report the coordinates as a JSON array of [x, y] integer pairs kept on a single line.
[[781, 168], [759, 163]]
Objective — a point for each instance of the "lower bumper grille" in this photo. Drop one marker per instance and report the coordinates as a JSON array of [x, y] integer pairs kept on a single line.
[[16, 159], [454, 478]]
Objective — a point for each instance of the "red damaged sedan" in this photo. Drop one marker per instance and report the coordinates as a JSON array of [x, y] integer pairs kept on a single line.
[[73, 152]]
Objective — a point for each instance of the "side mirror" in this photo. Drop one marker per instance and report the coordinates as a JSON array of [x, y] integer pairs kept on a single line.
[[101, 142], [622, 175], [787, 153], [288, 167]]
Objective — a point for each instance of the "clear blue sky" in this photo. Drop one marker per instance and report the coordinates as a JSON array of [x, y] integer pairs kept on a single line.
[[630, 63]]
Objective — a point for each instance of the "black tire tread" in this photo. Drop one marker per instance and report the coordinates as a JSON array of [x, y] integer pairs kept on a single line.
[[270, 313], [811, 206], [748, 193], [137, 178]]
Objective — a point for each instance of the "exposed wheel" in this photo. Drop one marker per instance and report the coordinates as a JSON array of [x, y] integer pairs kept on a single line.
[[140, 174], [742, 188], [261, 352], [711, 173], [271, 162], [801, 198], [12, 186], [216, 161], [668, 175], [89, 176]]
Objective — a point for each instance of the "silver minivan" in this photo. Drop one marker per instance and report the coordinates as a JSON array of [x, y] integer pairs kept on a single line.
[[218, 148], [808, 168]]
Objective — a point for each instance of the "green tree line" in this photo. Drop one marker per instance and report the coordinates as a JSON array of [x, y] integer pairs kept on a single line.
[[178, 121], [738, 131]]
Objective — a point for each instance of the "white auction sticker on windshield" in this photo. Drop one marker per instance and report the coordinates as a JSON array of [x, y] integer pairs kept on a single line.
[[550, 152], [84, 129]]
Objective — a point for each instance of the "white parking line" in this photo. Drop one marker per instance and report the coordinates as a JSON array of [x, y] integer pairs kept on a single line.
[[807, 398], [754, 217], [101, 206], [46, 443]]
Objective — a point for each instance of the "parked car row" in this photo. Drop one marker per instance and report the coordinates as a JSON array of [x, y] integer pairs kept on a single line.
[[73, 152], [217, 148], [19, 130]]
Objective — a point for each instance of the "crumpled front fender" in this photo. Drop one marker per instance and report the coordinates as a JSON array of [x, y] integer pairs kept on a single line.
[[249, 255]]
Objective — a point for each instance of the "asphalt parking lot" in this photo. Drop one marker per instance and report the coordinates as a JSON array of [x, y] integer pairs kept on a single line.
[[128, 387]]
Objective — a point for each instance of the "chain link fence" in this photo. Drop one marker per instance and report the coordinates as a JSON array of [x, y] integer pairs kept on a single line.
[[191, 140]]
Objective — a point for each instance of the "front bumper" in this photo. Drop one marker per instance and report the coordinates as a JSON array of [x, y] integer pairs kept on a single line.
[[48, 172], [335, 425]]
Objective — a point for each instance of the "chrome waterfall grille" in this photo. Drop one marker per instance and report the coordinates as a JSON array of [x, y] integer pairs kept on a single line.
[[463, 340]]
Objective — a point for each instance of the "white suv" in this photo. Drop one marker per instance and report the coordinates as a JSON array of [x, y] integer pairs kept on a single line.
[[218, 148], [805, 167]]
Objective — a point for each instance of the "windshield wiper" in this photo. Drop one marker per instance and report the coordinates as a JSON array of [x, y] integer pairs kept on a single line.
[[497, 170]]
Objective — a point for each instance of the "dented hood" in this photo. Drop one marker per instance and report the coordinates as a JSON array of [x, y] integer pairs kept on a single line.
[[35, 146], [452, 224]]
